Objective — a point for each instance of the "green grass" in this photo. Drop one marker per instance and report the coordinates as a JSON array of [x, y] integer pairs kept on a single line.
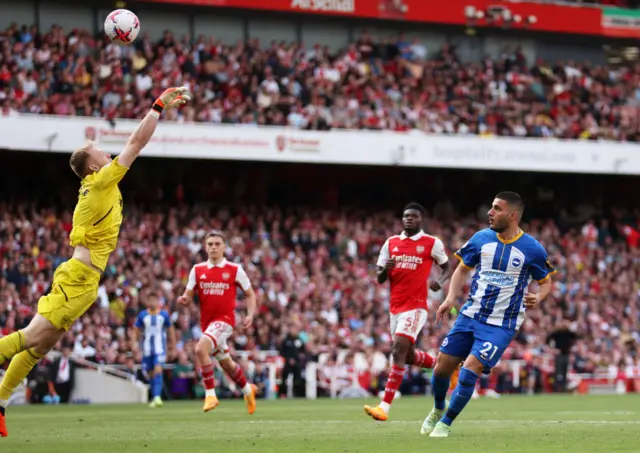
[[546, 424]]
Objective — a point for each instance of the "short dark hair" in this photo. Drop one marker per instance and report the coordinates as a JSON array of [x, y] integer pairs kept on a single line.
[[216, 234], [513, 199], [416, 206]]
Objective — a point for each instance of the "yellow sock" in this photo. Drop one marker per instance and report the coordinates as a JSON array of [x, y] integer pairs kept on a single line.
[[11, 345], [18, 369]]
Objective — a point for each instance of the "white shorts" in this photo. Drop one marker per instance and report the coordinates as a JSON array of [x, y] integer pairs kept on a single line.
[[409, 323], [219, 332]]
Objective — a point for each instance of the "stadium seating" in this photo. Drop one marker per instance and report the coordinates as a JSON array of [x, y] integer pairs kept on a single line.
[[312, 269], [392, 86]]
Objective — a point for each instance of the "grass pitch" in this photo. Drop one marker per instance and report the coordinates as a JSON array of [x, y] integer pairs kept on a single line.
[[567, 424]]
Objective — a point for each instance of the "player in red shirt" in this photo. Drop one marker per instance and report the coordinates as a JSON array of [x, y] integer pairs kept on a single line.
[[406, 261], [215, 282]]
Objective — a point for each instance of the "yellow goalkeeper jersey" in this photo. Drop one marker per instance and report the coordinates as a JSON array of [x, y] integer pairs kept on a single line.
[[98, 214]]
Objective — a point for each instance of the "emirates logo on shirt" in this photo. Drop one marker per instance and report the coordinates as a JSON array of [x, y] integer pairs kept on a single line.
[[226, 276], [213, 288], [420, 249], [407, 262]]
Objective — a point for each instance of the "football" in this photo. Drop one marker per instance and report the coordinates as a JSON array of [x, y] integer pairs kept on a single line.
[[122, 26]]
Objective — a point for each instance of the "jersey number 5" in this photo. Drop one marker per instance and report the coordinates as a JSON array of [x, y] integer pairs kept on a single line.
[[486, 347]]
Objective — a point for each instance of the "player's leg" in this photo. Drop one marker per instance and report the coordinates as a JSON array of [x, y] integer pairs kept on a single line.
[[203, 350], [234, 371], [42, 337], [26, 338], [404, 328], [221, 332], [157, 383], [421, 359], [74, 289], [489, 344], [152, 366], [455, 347]]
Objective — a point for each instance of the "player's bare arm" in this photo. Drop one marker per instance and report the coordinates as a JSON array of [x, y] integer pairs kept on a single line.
[[383, 272], [456, 288], [446, 272], [171, 98], [135, 335], [186, 298], [532, 300], [252, 306]]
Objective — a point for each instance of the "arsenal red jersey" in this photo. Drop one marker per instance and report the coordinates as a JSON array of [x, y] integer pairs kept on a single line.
[[216, 287], [414, 257]]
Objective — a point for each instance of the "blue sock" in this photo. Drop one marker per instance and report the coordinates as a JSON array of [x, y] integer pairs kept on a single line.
[[156, 385], [461, 395], [440, 388]]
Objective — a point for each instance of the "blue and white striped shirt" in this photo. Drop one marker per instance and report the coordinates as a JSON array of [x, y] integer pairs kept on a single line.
[[154, 330], [503, 271]]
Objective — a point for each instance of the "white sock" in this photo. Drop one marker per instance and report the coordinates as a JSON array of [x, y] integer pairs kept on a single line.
[[385, 407], [210, 392], [246, 390], [4, 403]]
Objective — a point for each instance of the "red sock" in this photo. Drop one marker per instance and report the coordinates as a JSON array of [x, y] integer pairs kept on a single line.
[[393, 383], [238, 376], [207, 377], [423, 360]]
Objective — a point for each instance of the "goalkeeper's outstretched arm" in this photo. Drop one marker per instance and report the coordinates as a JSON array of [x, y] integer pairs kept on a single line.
[[171, 98]]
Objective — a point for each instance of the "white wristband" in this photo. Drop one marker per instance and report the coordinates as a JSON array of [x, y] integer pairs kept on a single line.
[[154, 113]]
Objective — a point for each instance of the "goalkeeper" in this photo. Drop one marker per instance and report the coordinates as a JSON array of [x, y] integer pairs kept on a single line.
[[96, 225]]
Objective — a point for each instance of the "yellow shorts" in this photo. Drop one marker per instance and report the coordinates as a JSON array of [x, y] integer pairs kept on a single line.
[[74, 290]]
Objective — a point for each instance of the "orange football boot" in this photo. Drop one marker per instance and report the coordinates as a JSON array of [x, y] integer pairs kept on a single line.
[[376, 413], [454, 378], [3, 427], [210, 403], [251, 399]]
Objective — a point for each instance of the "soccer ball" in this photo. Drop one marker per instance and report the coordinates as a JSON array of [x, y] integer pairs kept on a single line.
[[122, 26]]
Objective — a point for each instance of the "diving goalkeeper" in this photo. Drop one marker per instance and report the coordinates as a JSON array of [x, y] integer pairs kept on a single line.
[[96, 225]]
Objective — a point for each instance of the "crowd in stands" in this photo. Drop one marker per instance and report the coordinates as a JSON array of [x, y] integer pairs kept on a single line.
[[313, 272], [395, 84]]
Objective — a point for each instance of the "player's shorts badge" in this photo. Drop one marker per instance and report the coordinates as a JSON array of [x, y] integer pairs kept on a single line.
[[420, 249]]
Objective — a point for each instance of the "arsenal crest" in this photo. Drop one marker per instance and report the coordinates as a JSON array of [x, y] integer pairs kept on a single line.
[[420, 249], [226, 276]]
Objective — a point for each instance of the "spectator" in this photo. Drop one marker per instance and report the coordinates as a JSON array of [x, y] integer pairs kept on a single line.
[[562, 341], [294, 353], [63, 375]]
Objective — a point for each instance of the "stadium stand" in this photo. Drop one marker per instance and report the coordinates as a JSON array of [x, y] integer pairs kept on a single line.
[[311, 263], [370, 85]]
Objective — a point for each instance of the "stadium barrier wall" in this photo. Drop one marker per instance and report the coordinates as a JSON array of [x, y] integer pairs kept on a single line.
[[238, 142], [97, 387]]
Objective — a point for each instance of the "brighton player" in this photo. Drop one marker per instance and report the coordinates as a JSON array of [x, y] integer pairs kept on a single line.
[[156, 329], [505, 261], [215, 283], [406, 261], [96, 225]]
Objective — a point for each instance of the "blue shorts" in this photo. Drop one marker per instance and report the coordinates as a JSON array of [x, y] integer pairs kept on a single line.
[[484, 341], [149, 362]]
